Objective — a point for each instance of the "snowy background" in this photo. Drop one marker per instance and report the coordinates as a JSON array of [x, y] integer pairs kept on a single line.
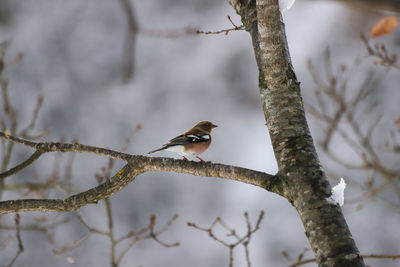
[[72, 57]]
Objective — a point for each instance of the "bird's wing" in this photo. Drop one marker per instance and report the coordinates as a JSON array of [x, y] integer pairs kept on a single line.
[[188, 139]]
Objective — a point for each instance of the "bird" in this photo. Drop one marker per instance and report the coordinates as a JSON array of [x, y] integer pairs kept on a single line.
[[193, 142]]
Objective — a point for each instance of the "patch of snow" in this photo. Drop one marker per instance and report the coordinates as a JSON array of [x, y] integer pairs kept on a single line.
[[337, 196]]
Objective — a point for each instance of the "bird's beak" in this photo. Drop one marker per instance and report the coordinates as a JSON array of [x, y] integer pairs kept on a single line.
[[213, 126]]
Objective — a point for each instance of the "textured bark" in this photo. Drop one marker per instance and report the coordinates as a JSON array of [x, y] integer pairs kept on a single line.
[[136, 166], [303, 180]]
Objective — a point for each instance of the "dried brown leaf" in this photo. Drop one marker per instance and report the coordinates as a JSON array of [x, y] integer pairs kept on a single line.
[[384, 26]]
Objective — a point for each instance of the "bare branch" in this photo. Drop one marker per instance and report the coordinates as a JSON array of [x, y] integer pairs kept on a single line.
[[22, 165], [35, 113], [110, 224], [9, 111], [90, 228], [245, 240], [65, 147], [74, 244], [136, 165], [166, 226], [154, 234], [350, 127], [147, 232], [18, 236], [130, 41], [130, 137], [189, 31], [380, 52], [132, 234], [225, 31]]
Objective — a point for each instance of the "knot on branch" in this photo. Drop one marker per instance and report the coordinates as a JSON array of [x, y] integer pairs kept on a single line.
[[56, 146], [46, 147]]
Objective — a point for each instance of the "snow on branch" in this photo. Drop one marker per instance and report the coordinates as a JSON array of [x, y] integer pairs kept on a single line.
[[337, 196]]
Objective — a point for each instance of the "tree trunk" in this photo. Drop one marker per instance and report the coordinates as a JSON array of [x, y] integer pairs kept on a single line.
[[303, 181]]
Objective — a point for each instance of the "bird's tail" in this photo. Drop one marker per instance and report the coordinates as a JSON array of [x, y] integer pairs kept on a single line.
[[159, 149]]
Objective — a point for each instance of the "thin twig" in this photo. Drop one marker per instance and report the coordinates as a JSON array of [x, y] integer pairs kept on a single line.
[[245, 240], [380, 52], [128, 65], [225, 31], [65, 147], [90, 228], [147, 232], [189, 31], [17, 220], [110, 225], [35, 113], [22, 165], [358, 135], [74, 244]]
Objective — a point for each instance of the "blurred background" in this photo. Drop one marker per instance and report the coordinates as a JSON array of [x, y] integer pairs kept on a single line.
[[75, 56]]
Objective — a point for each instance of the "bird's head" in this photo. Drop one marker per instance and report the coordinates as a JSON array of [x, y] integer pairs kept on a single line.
[[205, 126]]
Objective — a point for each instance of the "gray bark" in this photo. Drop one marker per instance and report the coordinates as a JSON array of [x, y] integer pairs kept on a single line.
[[303, 181]]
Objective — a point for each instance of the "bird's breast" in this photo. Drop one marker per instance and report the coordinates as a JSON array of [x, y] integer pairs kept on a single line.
[[197, 148]]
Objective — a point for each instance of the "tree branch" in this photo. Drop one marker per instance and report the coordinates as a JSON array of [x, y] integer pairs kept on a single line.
[[128, 66], [22, 165], [66, 147], [136, 165]]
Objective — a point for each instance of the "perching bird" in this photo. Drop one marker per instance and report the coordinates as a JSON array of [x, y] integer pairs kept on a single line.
[[192, 142]]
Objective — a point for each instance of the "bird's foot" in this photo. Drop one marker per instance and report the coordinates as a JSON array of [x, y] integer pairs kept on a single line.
[[201, 160]]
